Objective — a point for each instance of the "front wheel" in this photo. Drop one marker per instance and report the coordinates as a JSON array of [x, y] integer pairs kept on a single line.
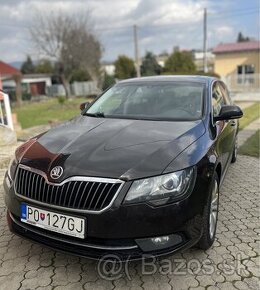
[[210, 216]]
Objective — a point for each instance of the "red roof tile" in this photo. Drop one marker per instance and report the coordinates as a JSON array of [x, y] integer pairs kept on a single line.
[[236, 47], [7, 70]]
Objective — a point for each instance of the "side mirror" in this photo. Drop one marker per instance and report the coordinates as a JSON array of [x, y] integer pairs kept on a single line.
[[83, 106], [228, 112]]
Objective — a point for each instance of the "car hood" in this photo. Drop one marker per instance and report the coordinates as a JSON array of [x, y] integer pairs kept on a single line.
[[112, 148]]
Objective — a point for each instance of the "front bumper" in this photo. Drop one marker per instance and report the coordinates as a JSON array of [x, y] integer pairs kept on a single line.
[[90, 248], [125, 231]]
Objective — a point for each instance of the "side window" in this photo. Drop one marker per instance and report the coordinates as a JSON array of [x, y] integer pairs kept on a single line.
[[217, 99], [225, 94]]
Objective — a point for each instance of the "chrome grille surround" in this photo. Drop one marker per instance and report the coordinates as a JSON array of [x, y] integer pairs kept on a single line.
[[43, 192]]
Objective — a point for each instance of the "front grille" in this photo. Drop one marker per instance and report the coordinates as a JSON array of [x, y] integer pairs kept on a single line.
[[74, 194]]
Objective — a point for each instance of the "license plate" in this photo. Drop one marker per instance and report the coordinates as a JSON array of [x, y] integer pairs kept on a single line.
[[52, 221]]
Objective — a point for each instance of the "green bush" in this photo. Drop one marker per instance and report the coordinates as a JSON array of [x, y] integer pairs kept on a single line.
[[26, 96], [180, 61], [61, 99]]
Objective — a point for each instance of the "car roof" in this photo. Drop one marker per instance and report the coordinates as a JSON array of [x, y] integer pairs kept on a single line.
[[169, 78]]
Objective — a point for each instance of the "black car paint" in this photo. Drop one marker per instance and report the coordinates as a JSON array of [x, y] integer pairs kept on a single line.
[[129, 150], [112, 148]]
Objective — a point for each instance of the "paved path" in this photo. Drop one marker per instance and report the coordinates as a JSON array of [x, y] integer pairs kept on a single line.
[[245, 97], [6, 153], [232, 262], [28, 133], [248, 131]]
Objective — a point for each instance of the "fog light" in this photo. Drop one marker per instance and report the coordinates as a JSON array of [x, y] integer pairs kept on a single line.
[[160, 240], [159, 243]]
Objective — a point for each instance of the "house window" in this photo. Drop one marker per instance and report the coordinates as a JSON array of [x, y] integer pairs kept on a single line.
[[245, 74], [249, 69], [240, 69]]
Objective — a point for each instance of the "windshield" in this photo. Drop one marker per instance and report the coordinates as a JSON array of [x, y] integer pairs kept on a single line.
[[156, 101]]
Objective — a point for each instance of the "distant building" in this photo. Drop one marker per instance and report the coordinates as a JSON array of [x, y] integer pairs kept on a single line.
[[9, 74], [32, 84], [108, 68], [161, 58], [239, 64], [198, 58], [36, 84], [7, 71]]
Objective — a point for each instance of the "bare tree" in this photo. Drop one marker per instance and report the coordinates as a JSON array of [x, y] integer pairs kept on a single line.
[[70, 42]]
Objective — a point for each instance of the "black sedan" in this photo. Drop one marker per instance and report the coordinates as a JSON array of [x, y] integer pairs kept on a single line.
[[138, 172]]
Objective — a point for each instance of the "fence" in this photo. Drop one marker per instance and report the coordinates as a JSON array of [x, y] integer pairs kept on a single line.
[[243, 83], [76, 89], [5, 111]]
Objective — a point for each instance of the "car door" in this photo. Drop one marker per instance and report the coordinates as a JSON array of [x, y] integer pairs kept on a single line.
[[232, 124], [225, 129]]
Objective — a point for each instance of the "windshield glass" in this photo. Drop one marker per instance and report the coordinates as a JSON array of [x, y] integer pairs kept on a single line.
[[156, 101]]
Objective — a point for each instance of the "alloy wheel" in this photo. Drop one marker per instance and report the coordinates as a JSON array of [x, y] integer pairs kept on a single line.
[[213, 210]]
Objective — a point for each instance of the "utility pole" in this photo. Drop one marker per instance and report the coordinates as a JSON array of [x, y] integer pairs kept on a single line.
[[137, 64], [205, 66]]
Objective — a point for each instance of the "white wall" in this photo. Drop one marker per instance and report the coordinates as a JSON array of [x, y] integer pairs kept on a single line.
[[46, 80]]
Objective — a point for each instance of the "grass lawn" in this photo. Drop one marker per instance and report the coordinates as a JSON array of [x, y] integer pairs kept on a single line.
[[250, 114], [40, 113], [251, 146]]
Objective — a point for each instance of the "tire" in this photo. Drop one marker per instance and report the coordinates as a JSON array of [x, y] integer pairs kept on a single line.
[[210, 211], [234, 154]]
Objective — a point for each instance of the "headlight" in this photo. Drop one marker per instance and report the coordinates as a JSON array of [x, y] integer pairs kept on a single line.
[[12, 168], [161, 189]]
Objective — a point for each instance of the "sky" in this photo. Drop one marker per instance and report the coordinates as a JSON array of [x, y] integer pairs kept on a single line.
[[162, 24]]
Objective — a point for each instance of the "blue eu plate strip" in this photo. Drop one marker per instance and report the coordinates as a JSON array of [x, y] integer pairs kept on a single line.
[[23, 211]]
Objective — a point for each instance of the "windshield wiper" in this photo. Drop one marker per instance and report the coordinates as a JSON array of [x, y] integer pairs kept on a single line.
[[97, 114]]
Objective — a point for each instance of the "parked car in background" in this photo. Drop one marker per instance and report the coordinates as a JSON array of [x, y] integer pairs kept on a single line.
[[137, 172]]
